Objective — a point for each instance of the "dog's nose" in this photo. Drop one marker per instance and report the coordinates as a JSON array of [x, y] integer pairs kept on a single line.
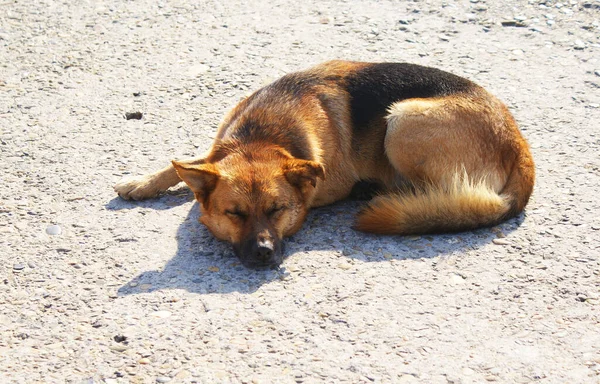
[[265, 252], [265, 249]]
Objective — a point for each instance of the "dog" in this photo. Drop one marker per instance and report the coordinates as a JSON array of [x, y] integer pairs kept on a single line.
[[446, 154]]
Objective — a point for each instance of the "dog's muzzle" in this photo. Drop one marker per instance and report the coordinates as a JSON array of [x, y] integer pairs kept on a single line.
[[260, 253]]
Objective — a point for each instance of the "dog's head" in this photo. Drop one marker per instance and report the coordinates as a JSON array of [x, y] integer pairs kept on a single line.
[[253, 198]]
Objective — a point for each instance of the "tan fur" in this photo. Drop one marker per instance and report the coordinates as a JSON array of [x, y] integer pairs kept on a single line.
[[462, 205], [455, 150]]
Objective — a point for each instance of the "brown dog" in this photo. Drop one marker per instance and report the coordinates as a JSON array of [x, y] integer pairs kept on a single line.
[[448, 155]]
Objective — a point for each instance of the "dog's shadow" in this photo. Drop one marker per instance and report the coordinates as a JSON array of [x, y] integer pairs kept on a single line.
[[204, 265]]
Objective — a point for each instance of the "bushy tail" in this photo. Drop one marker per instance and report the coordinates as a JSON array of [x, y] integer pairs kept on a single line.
[[464, 204]]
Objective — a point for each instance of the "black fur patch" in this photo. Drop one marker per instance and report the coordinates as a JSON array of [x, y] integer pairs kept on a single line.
[[365, 190], [374, 88]]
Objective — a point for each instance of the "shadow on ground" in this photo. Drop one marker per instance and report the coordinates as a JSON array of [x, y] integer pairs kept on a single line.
[[203, 264]]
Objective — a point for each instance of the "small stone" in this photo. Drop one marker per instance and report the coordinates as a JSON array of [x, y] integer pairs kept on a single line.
[[31, 264], [457, 279], [214, 269], [579, 44], [491, 378], [509, 23], [467, 371], [284, 275], [145, 287], [597, 73], [162, 314], [144, 361], [54, 230], [344, 266], [118, 347], [120, 338], [163, 379], [18, 267], [183, 374], [324, 20], [501, 242], [387, 256], [134, 115]]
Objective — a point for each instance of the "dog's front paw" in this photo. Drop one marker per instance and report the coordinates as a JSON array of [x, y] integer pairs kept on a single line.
[[137, 188]]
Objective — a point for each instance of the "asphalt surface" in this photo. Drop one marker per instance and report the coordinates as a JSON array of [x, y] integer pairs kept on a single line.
[[96, 289]]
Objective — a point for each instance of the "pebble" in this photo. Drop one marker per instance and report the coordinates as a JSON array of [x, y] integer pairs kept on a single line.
[[118, 347], [501, 242], [144, 361], [163, 379], [145, 287], [134, 115], [467, 371], [183, 375], [162, 314], [214, 269], [18, 267], [579, 44], [54, 230], [457, 279], [344, 266], [597, 73]]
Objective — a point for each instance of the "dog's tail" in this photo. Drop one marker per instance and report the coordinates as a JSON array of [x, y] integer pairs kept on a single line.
[[464, 204]]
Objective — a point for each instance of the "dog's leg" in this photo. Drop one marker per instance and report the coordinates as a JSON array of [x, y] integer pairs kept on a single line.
[[430, 140], [148, 186]]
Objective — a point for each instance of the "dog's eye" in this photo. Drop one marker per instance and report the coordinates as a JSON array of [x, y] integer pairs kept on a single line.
[[275, 209], [236, 213]]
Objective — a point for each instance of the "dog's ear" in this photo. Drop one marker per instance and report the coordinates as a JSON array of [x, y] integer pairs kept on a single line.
[[201, 179], [302, 173]]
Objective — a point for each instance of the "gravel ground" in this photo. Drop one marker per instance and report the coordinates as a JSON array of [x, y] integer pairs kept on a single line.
[[96, 289]]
